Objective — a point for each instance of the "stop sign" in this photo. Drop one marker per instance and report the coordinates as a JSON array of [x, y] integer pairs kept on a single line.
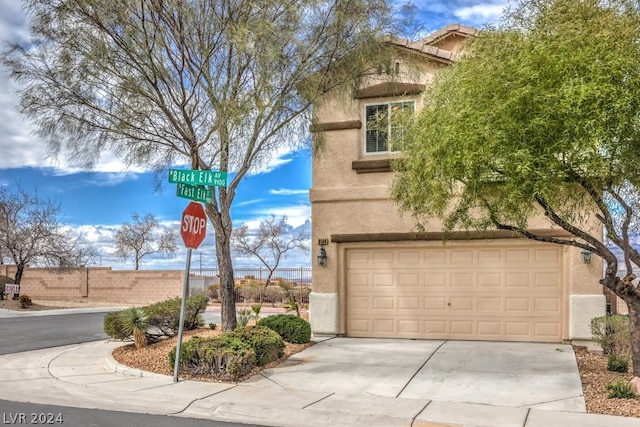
[[194, 225]]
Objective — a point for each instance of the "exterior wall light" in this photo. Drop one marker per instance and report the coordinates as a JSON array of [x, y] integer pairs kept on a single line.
[[322, 257], [586, 256]]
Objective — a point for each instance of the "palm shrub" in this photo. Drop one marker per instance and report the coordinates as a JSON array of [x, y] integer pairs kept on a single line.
[[292, 329], [255, 312], [135, 322], [266, 343], [242, 317]]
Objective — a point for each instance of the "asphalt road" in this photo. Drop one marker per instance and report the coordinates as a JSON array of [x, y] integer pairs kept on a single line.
[[26, 333], [27, 414]]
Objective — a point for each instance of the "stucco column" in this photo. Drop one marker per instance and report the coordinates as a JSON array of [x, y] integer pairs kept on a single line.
[[586, 296]]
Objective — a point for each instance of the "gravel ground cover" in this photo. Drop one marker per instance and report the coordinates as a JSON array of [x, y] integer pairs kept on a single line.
[[155, 358]]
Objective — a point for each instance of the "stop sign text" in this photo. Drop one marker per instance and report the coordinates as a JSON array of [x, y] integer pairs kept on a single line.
[[192, 224]]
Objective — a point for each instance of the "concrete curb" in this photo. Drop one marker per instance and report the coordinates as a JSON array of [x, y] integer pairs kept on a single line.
[[119, 368]]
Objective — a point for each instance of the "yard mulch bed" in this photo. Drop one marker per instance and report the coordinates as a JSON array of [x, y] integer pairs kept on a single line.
[[154, 357]]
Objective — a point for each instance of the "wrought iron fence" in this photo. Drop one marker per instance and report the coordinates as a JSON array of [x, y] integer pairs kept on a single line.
[[251, 284]]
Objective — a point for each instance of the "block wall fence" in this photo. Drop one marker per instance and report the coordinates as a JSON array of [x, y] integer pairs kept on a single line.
[[99, 284]]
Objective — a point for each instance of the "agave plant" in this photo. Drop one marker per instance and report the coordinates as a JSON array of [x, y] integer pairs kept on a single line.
[[135, 322], [243, 315]]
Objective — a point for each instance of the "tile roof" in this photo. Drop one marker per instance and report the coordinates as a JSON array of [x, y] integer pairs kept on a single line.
[[426, 44]]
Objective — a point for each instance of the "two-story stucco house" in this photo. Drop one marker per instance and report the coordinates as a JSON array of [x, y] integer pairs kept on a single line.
[[381, 278]]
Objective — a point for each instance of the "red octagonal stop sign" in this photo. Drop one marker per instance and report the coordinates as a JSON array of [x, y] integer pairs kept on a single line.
[[194, 225]]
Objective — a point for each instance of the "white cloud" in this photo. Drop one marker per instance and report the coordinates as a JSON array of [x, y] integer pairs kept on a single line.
[[481, 13], [296, 214], [287, 192], [248, 202]]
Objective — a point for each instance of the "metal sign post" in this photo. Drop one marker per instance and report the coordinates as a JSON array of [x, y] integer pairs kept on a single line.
[[183, 308], [193, 230]]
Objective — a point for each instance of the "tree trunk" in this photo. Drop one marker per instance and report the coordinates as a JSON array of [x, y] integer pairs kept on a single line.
[[222, 227], [18, 278], [227, 285], [634, 326]]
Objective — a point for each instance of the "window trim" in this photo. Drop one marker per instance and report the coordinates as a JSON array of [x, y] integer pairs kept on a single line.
[[365, 123]]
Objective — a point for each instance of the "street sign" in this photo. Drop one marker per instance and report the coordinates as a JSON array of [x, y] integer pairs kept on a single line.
[[11, 288], [192, 192], [198, 177], [193, 225]]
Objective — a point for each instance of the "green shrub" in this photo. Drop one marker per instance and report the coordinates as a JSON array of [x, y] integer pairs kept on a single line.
[[163, 318], [616, 363], [266, 343], [212, 326], [223, 357], [612, 334], [620, 389], [292, 329], [165, 315], [25, 301], [213, 292], [112, 325]]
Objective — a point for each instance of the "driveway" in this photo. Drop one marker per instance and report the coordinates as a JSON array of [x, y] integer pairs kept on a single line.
[[531, 375]]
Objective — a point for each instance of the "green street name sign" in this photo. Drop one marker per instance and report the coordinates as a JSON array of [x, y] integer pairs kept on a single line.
[[192, 192], [198, 177]]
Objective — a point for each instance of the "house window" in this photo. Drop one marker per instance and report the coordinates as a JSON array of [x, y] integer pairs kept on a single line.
[[383, 122]]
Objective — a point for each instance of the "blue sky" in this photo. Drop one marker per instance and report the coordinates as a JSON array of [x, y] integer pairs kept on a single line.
[[96, 202]]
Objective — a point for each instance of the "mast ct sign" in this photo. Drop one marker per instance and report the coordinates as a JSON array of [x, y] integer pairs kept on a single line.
[[193, 226]]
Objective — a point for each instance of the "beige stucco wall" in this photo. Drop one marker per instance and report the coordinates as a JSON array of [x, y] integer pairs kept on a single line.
[[99, 284], [346, 202]]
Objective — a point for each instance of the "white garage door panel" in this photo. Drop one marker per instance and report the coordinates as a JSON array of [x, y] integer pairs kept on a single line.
[[487, 293]]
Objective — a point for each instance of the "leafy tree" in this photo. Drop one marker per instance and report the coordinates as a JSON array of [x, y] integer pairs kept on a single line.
[[271, 244], [142, 238], [540, 115], [30, 233], [223, 85]]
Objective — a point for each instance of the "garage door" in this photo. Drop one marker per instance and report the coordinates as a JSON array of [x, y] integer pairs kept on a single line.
[[508, 293]]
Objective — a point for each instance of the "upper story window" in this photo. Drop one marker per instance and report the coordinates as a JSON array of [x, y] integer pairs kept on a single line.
[[383, 122]]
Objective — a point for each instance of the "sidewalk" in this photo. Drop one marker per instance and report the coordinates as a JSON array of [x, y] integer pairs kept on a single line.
[[87, 376]]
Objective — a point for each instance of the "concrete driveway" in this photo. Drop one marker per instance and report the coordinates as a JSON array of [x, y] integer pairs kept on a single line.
[[530, 375]]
